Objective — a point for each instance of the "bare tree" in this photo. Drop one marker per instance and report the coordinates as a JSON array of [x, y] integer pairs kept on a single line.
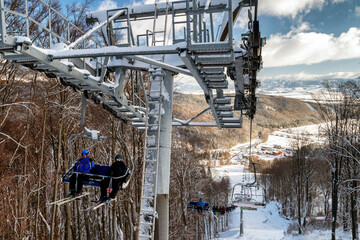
[[341, 114]]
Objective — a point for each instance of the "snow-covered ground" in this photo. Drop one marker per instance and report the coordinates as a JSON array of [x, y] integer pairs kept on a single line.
[[279, 144], [266, 223]]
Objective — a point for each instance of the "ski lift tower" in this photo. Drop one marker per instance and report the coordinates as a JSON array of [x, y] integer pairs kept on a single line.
[[194, 38]]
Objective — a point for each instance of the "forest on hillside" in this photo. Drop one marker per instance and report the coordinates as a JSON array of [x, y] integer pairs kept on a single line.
[[274, 112], [37, 117], [322, 180]]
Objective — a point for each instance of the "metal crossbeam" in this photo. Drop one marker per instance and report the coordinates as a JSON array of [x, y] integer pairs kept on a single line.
[[115, 51], [204, 59]]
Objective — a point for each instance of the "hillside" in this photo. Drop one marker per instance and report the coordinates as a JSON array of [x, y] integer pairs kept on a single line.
[[274, 112]]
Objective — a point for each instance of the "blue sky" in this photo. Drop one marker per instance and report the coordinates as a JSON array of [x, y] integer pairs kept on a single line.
[[304, 37], [316, 38]]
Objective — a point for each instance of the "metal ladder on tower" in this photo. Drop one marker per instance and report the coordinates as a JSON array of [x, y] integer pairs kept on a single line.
[[155, 32], [178, 20], [151, 157]]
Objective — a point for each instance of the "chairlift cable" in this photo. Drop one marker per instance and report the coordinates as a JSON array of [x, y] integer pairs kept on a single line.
[[256, 9], [130, 158], [251, 120], [250, 158]]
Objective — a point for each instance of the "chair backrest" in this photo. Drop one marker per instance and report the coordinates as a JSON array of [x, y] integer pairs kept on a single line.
[[192, 205], [206, 207], [101, 169]]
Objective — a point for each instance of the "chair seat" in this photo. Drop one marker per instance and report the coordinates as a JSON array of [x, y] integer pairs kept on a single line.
[[95, 177], [94, 183]]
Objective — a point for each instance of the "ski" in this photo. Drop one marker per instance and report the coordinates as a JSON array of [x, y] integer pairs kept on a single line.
[[68, 199], [91, 207], [73, 198], [60, 200], [98, 205], [102, 204]]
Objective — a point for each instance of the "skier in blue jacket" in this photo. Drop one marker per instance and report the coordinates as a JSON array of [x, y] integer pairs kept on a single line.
[[83, 165], [200, 205]]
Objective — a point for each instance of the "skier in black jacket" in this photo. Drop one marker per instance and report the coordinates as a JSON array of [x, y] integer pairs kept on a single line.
[[117, 169]]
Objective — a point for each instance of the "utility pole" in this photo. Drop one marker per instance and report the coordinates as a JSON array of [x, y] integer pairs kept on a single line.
[[163, 177], [241, 222]]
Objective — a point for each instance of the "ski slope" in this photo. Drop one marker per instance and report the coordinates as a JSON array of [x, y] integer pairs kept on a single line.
[[263, 224], [266, 223]]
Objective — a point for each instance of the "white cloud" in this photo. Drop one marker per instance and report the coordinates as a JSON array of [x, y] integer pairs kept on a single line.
[[303, 27], [242, 20], [289, 8], [300, 47], [338, 1], [357, 11], [107, 4]]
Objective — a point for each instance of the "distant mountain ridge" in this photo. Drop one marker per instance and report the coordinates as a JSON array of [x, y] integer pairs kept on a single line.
[[274, 112], [300, 89], [279, 86]]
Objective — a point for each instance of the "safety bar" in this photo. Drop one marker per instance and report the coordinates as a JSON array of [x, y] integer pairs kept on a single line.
[[70, 171]]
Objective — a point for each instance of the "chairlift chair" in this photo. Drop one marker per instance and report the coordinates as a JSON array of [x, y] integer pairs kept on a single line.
[[100, 171], [193, 205]]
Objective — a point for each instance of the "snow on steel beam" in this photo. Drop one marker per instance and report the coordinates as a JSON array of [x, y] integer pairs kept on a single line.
[[195, 73], [118, 51], [147, 10], [195, 124], [162, 65], [79, 74]]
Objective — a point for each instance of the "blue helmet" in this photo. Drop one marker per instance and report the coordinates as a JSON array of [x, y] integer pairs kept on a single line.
[[85, 153]]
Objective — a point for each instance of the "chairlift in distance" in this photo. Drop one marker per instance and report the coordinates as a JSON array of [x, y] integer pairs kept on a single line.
[[193, 205], [246, 195]]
